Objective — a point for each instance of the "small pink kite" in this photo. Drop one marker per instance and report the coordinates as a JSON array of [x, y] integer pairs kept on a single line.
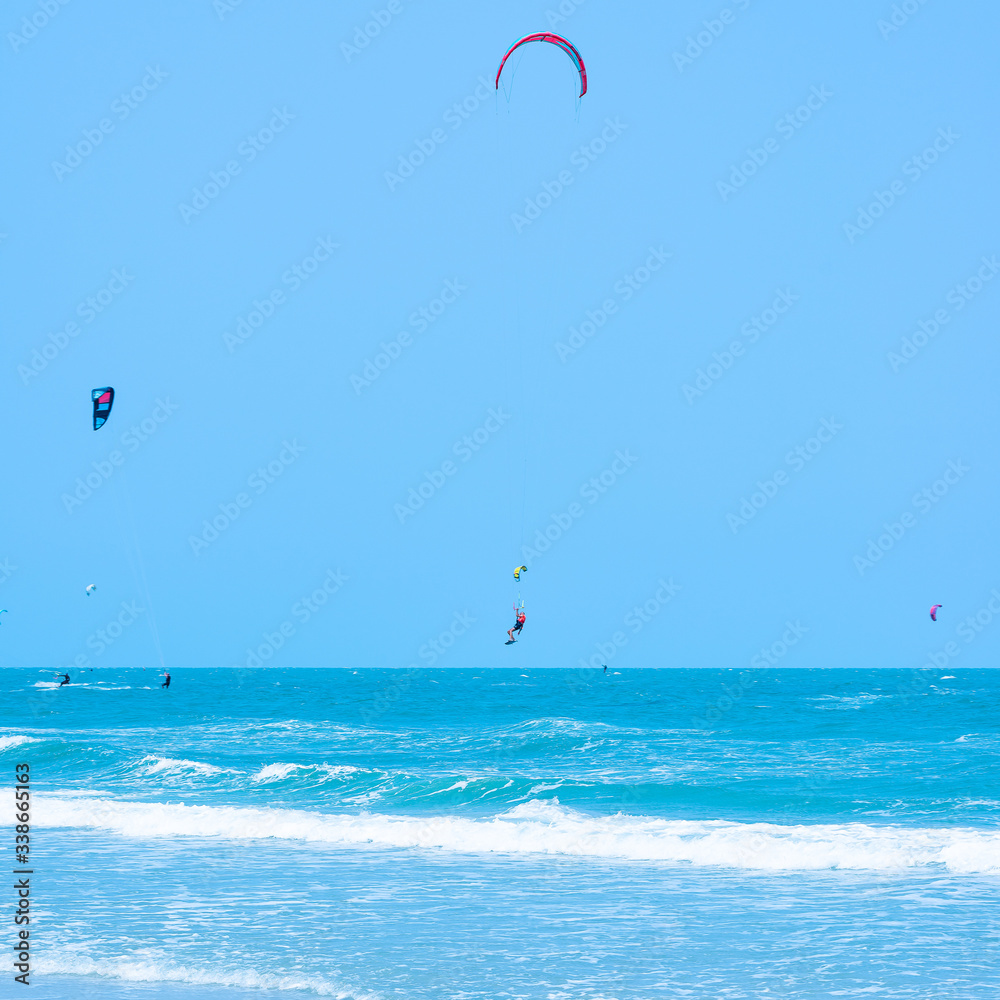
[[934, 612]]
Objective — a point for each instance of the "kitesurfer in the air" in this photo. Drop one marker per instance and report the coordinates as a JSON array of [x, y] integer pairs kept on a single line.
[[166, 680], [517, 626]]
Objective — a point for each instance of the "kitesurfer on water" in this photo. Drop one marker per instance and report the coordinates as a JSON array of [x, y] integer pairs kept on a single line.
[[518, 625], [65, 680], [166, 680]]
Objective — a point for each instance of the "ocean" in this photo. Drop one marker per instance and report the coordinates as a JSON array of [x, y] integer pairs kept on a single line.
[[529, 834]]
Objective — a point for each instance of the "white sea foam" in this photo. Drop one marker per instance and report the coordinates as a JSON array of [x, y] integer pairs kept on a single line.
[[153, 971], [8, 742], [274, 772], [547, 828], [458, 786], [168, 765], [557, 726], [538, 789], [278, 772], [340, 770], [97, 686], [364, 799], [843, 702]]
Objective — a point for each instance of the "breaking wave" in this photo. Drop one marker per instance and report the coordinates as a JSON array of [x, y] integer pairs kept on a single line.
[[548, 828]]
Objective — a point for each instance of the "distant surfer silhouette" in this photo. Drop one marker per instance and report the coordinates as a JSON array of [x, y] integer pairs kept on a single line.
[[166, 680], [65, 680]]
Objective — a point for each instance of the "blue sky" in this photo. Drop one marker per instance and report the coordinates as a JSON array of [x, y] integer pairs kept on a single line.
[[807, 183]]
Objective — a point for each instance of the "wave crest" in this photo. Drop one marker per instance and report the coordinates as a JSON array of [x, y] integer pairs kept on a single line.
[[539, 827], [151, 971], [9, 742], [278, 772], [170, 765]]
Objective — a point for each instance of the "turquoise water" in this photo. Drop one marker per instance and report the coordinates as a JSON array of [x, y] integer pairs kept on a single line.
[[506, 833]]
